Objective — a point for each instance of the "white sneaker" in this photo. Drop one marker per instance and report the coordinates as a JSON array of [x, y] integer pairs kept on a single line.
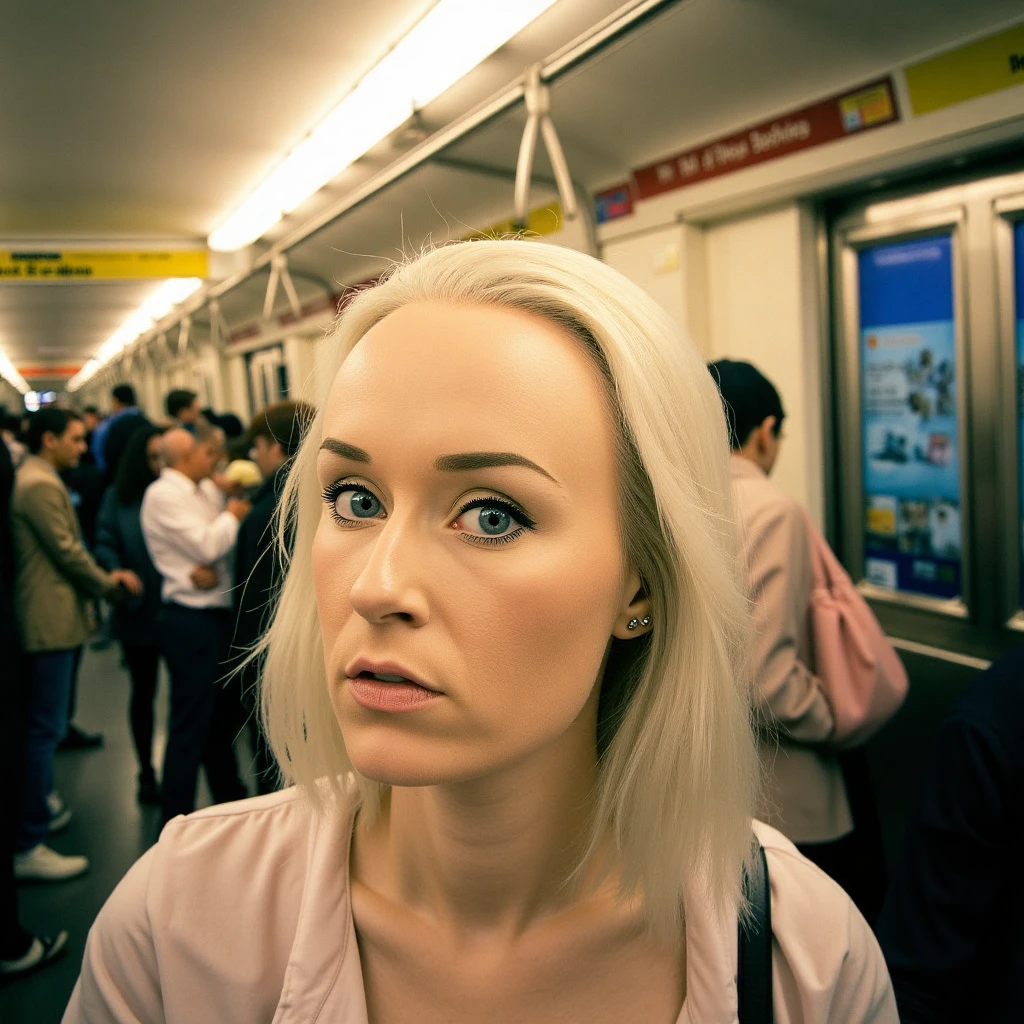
[[46, 865]]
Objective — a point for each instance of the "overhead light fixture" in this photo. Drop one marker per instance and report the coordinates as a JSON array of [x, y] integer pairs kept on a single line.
[[447, 43], [11, 375], [154, 309]]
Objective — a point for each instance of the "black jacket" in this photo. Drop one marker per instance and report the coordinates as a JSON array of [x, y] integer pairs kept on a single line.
[[258, 570], [120, 545], [951, 929]]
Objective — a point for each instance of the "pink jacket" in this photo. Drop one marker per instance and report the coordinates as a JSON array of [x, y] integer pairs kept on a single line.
[[241, 914], [805, 793]]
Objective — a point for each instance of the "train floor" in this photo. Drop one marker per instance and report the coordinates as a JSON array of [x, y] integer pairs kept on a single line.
[[113, 830]]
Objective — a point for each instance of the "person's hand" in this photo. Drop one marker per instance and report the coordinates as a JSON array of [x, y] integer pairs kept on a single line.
[[203, 577], [238, 507], [128, 580], [224, 483]]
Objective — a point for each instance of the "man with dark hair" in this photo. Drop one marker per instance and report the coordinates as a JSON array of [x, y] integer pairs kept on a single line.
[[274, 437], [807, 793], [55, 579], [20, 950], [183, 407], [125, 408], [91, 416]]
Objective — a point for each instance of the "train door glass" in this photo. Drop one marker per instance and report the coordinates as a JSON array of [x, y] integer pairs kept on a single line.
[[1018, 318], [268, 376], [911, 457]]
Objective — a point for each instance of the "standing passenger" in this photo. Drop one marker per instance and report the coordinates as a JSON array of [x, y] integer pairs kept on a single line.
[[183, 407], [120, 544], [951, 926], [185, 524], [56, 577], [807, 796], [274, 436]]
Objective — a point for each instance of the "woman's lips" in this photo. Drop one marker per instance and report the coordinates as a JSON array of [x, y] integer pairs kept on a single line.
[[378, 695]]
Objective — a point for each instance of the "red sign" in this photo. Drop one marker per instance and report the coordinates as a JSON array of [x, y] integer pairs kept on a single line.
[[870, 106]]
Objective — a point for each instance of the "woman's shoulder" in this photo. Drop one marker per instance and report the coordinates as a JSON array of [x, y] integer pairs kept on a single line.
[[827, 964], [207, 916]]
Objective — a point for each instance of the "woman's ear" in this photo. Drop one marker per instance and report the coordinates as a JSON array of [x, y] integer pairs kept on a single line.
[[636, 618]]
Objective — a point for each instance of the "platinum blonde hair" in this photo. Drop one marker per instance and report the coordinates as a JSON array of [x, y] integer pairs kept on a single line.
[[677, 770]]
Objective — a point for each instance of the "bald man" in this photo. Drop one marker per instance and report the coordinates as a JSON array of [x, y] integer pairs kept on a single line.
[[187, 522]]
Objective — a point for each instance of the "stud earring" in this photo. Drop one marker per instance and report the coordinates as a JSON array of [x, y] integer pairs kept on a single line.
[[632, 624], [645, 621]]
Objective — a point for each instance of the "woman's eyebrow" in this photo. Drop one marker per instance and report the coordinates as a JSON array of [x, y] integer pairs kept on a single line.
[[444, 463]]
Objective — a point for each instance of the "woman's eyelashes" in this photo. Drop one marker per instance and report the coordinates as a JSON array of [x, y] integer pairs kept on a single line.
[[349, 503]]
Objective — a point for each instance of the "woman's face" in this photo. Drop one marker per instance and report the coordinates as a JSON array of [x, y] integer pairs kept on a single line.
[[496, 585], [154, 454]]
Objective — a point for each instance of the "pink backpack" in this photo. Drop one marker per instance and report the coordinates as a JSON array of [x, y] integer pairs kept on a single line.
[[862, 675]]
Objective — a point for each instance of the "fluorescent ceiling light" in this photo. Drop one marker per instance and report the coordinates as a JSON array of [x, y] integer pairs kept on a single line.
[[155, 308], [11, 375], [449, 41]]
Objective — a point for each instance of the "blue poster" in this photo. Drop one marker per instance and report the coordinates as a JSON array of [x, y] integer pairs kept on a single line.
[[913, 539], [1018, 300]]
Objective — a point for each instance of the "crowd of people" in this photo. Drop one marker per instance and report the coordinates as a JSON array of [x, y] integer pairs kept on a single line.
[[156, 535]]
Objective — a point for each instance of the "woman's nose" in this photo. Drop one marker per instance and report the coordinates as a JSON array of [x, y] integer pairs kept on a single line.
[[391, 585]]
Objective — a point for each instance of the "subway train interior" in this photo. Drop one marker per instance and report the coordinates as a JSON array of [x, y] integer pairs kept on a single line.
[[191, 193]]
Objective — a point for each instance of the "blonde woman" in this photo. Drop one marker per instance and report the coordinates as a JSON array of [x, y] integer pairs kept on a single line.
[[505, 678]]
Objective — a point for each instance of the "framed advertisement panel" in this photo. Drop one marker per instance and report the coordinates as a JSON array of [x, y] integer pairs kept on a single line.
[[1009, 231], [904, 435]]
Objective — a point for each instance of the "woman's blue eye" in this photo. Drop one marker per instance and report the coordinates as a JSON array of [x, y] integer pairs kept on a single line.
[[349, 503], [494, 520], [355, 501]]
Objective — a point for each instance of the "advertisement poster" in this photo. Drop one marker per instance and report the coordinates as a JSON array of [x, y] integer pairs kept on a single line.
[[1018, 298], [913, 539]]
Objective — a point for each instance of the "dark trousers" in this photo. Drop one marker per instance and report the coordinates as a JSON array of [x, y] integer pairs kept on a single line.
[[857, 860], [204, 715], [50, 673], [73, 690], [142, 662], [267, 774], [14, 687]]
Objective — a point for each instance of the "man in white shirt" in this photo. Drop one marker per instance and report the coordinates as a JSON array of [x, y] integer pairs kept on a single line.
[[186, 523]]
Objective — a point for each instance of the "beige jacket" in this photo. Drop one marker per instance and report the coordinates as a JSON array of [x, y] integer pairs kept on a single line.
[[55, 576], [241, 915], [806, 796]]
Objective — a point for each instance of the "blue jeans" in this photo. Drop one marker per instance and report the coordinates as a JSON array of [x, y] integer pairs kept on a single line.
[[50, 674]]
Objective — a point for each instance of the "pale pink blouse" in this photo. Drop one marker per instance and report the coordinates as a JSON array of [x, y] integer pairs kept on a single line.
[[240, 914]]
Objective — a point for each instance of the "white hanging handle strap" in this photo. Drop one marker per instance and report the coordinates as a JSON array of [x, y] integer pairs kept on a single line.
[[538, 120]]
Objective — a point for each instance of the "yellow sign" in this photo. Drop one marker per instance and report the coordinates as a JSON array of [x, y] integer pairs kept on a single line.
[[977, 69], [869, 107], [101, 265], [545, 220]]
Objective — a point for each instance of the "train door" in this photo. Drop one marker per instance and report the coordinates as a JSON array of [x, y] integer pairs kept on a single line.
[[927, 296], [268, 376]]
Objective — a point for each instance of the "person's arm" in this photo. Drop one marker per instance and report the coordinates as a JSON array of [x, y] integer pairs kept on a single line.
[[779, 562], [109, 551], [45, 511], [946, 896], [182, 525], [99, 436], [120, 979]]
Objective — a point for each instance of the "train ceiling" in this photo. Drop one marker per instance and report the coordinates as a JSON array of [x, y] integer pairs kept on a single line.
[[133, 124]]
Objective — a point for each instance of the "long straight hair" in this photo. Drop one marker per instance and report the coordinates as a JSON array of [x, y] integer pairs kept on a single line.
[[677, 767]]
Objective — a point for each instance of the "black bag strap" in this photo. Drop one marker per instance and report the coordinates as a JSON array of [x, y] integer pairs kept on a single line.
[[754, 975]]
